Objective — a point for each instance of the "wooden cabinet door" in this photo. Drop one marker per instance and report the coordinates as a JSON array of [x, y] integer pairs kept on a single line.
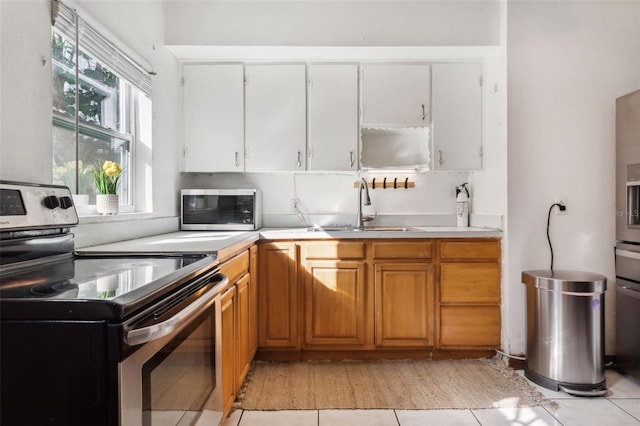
[[275, 114], [227, 302], [396, 94], [243, 351], [213, 108], [477, 282], [470, 326], [278, 296], [457, 116], [404, 304], [333, 117], [253, 300], [334, 302]]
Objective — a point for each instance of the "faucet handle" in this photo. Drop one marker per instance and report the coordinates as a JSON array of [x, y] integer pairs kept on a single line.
[[369, 218]]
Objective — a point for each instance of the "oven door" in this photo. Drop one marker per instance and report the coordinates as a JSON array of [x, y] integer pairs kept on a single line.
[[174, 377]]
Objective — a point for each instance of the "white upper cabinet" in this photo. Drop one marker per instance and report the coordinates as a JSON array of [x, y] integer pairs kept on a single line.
[[457, 116], [396, 94], [275, 114], [333, 117], [213, 108]]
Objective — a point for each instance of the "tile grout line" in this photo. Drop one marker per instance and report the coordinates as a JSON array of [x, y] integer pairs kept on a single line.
[[397, 419], [622, 409], [550, 413], [475, 417]]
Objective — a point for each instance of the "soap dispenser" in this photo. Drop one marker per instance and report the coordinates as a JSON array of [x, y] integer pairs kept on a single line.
[[462, 205]]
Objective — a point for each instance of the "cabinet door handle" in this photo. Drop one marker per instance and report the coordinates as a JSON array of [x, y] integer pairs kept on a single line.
[[423, 113], [299, 159], [237, 159], [350, 158], [440, 161]]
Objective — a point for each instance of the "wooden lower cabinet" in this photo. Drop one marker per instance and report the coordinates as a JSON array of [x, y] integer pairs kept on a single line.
[[404, 304], [393, 296], [334, 303], [278, 296], [238, 306], [469, 294], [228, 320]]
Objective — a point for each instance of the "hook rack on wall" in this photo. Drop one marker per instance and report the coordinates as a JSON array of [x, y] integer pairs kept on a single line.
[[387, 183]]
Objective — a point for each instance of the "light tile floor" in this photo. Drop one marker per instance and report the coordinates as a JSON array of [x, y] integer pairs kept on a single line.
[[620, 407]]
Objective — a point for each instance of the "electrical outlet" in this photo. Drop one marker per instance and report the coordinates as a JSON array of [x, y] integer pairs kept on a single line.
[[294, 205], [562, 200]]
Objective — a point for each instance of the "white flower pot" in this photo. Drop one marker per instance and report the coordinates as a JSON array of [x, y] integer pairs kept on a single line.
[[107, 286], [107, 203]]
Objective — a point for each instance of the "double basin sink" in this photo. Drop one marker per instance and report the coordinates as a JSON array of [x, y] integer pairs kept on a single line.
[[364, 229]]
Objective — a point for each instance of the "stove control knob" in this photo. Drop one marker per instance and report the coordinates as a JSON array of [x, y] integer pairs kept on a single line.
[[66, 202], [51, 202]]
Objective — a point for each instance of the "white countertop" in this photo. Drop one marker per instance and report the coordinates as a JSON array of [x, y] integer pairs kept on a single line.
[[215, 241], [176, 242], [381, 232]]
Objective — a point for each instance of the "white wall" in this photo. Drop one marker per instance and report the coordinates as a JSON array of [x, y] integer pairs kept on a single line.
[[567, 63], [333, 23], [25, 92]]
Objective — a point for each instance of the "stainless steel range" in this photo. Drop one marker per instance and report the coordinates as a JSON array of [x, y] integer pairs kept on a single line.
[[128, 339]]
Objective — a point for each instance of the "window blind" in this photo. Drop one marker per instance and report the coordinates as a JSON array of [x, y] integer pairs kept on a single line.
[[101, 48]]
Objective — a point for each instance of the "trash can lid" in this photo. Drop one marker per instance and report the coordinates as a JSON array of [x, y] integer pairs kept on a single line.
[[566, 281]]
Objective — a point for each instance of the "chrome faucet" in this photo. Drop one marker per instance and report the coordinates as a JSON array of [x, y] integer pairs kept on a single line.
[[367, 202]]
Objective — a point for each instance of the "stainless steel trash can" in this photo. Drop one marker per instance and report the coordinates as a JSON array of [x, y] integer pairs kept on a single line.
[[565, 331]]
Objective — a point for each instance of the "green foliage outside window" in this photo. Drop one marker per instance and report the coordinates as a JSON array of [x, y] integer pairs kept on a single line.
[[99, 103]]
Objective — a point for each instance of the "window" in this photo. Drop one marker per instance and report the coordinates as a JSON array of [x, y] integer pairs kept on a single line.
[[101, 111]]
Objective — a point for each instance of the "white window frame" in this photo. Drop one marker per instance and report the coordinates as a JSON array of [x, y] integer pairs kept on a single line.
[[107, 50]]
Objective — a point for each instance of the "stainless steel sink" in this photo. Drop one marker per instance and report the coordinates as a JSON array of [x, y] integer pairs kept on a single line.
[[365, 229], [388, 228]]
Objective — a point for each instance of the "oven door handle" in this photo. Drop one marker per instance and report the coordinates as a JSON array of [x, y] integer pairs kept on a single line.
[[628, 254], [627, 291], [153, 332]]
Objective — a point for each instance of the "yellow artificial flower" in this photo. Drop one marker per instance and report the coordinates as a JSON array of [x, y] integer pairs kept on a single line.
[[106, 179], [111, 168]]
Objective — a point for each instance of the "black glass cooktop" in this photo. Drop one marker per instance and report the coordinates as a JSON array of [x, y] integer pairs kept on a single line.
[[97, 281]]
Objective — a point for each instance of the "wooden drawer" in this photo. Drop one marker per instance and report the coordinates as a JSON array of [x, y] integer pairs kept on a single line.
[[236, 267], [470, 282], [333, 250], [402, 249], [470, 249], [470, 326]]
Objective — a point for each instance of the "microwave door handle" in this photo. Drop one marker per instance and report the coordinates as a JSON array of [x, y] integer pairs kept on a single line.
[[153, 332]]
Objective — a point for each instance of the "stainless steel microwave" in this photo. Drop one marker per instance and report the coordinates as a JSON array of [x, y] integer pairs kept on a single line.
[[220, 209]]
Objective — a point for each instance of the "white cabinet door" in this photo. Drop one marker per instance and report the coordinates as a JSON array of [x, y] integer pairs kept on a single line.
[[457, 116], [333, 117], [213, 107], [396, 94], [275, 114]]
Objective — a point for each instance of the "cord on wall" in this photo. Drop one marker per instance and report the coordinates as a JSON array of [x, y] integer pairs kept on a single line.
[[521, 358], [562, 208]]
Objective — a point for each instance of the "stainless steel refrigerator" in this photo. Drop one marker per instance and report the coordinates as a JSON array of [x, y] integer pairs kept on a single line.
[[627, 252]]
